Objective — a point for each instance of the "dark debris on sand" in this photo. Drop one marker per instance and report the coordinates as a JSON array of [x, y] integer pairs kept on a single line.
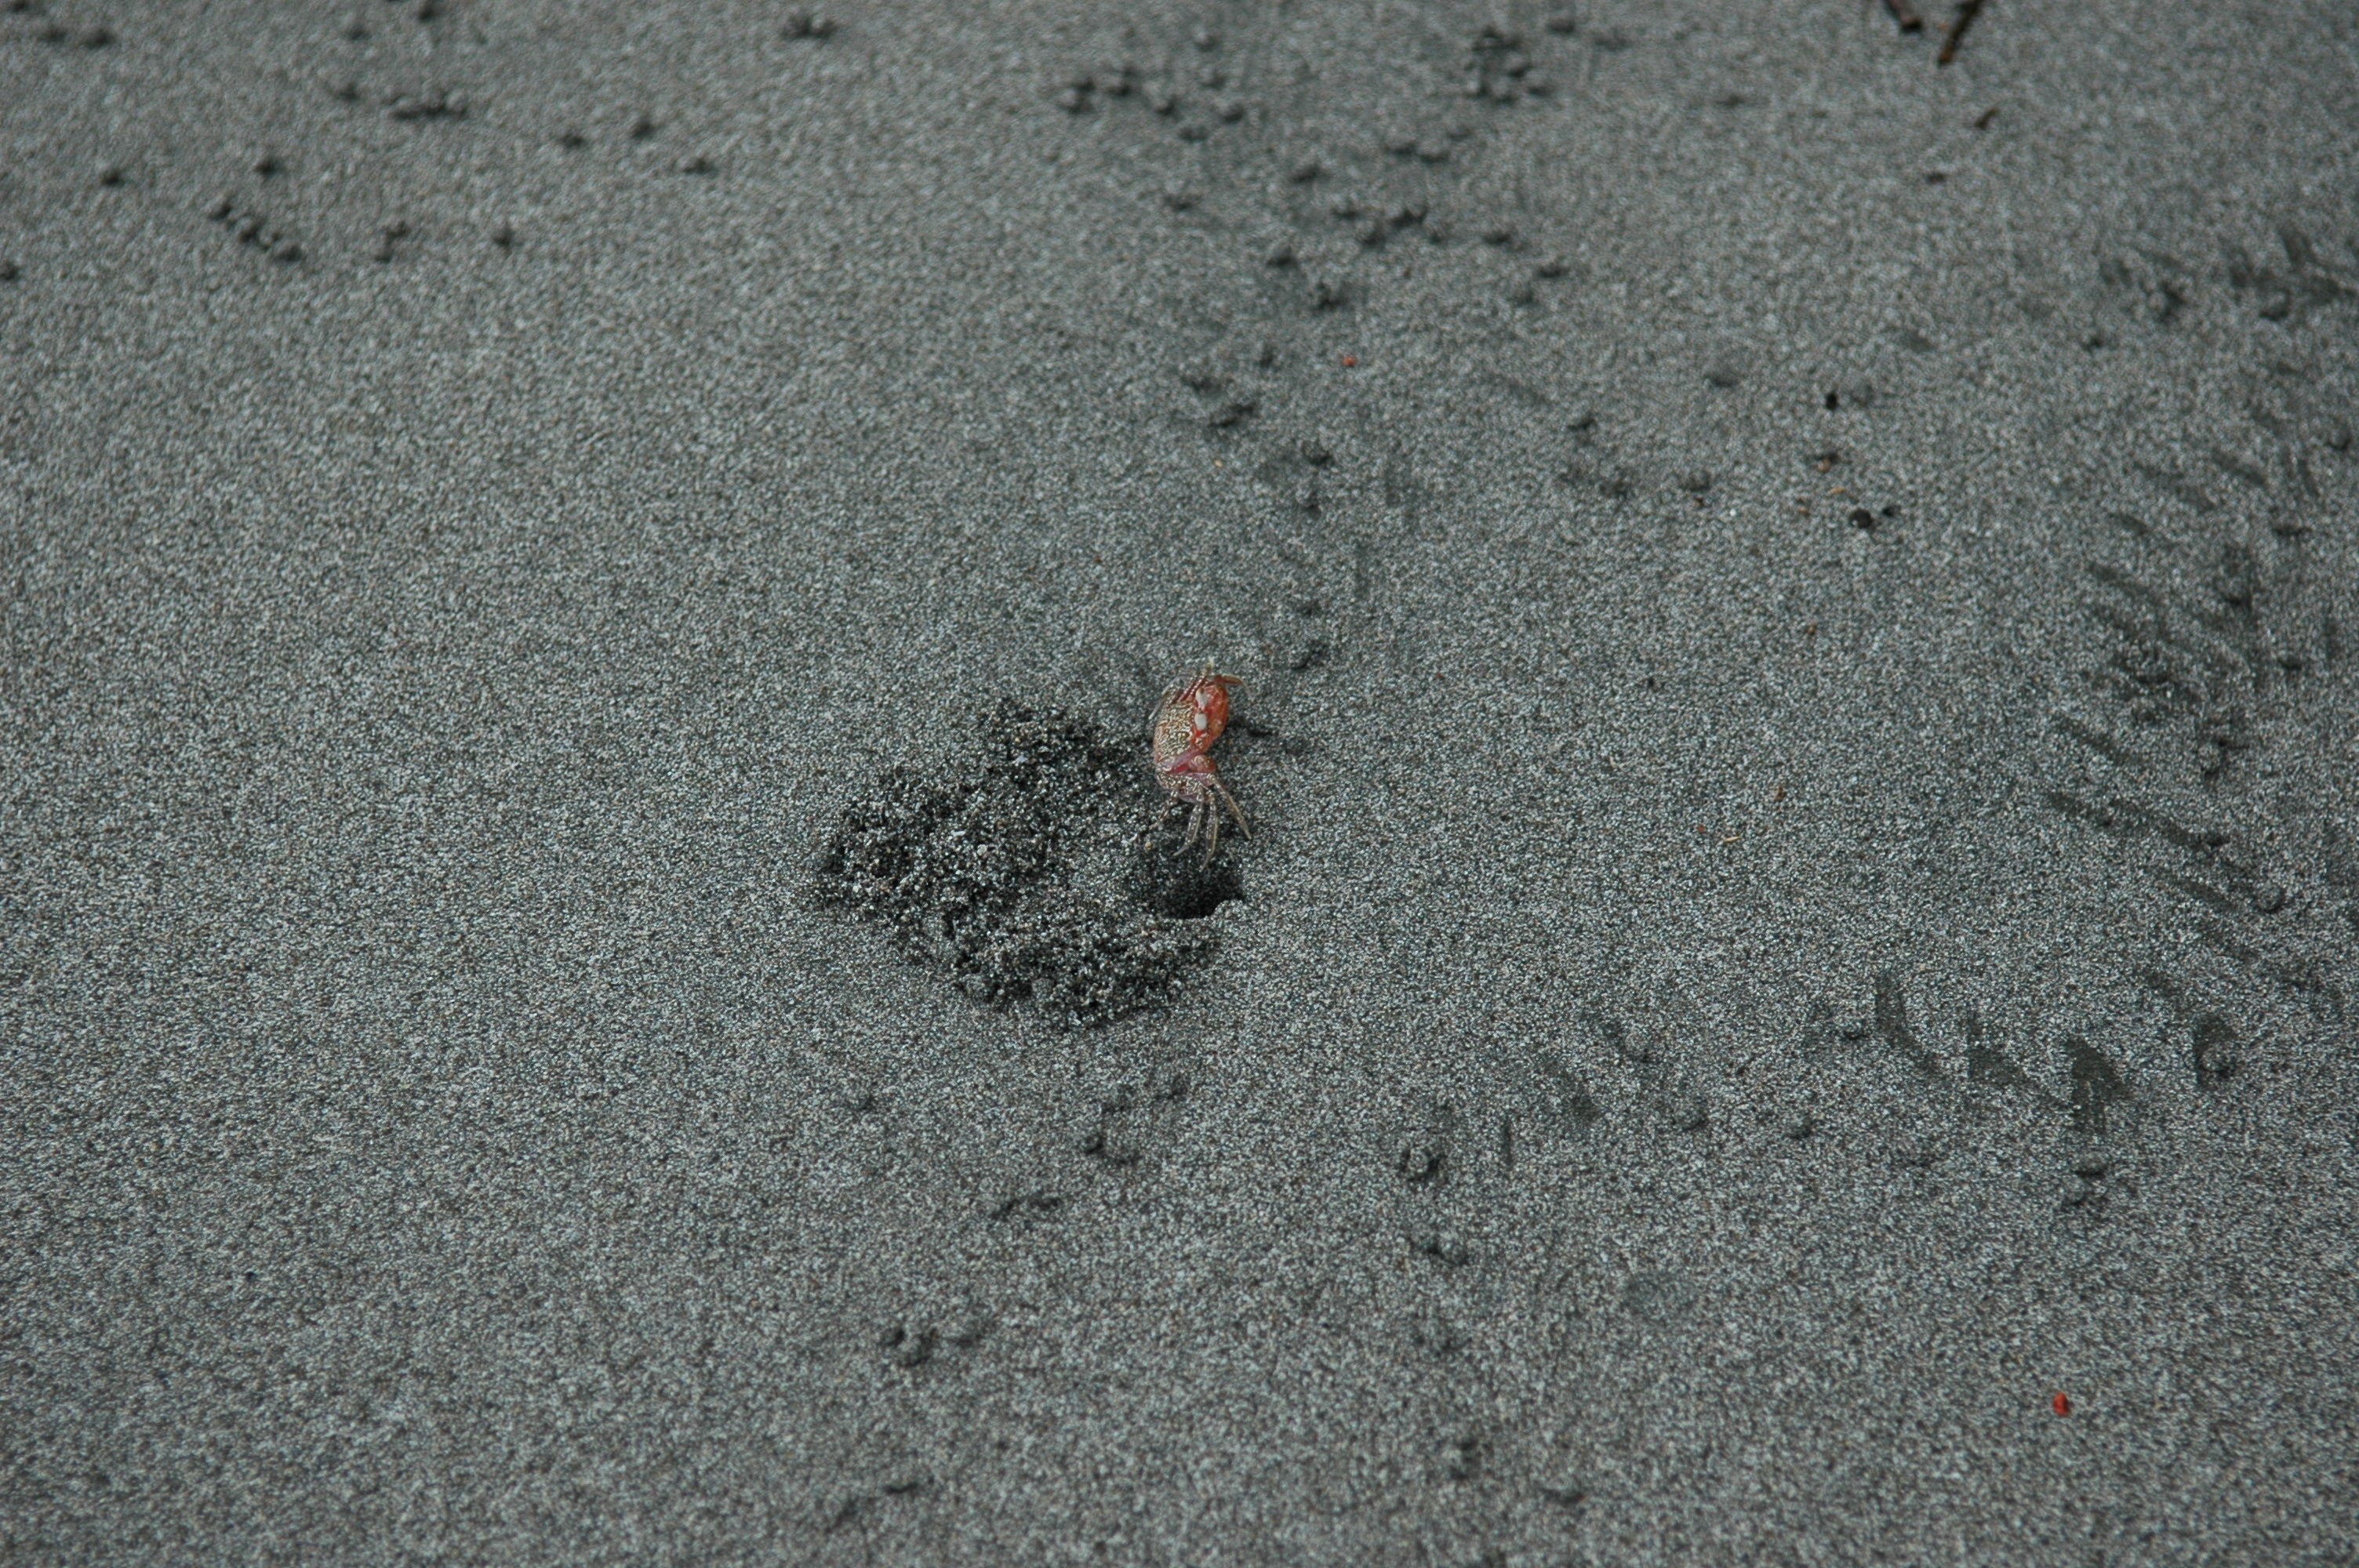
[[1032, 868]]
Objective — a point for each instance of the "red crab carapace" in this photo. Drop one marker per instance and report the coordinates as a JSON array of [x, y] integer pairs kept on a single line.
[[1187, 721]]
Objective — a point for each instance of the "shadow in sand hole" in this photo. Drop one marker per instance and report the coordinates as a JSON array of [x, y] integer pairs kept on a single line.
[[1175, 880]]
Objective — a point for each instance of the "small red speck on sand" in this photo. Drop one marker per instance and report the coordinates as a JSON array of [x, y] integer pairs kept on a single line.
[[1351, 360], [2061, 1405]]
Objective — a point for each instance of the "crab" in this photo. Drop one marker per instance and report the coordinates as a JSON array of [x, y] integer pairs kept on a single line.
[[1186, 723]]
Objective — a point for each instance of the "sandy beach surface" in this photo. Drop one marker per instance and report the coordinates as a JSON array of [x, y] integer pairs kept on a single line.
[[591, 967]]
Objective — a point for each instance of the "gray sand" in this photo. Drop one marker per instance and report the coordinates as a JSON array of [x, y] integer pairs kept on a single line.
[[1731, 1011]]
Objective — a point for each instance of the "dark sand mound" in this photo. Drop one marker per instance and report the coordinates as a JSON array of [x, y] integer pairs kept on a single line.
[[1030, 866]]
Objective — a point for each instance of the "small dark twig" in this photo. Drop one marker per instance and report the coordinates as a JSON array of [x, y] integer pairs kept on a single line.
[[1967, 11], [1906, 15]]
